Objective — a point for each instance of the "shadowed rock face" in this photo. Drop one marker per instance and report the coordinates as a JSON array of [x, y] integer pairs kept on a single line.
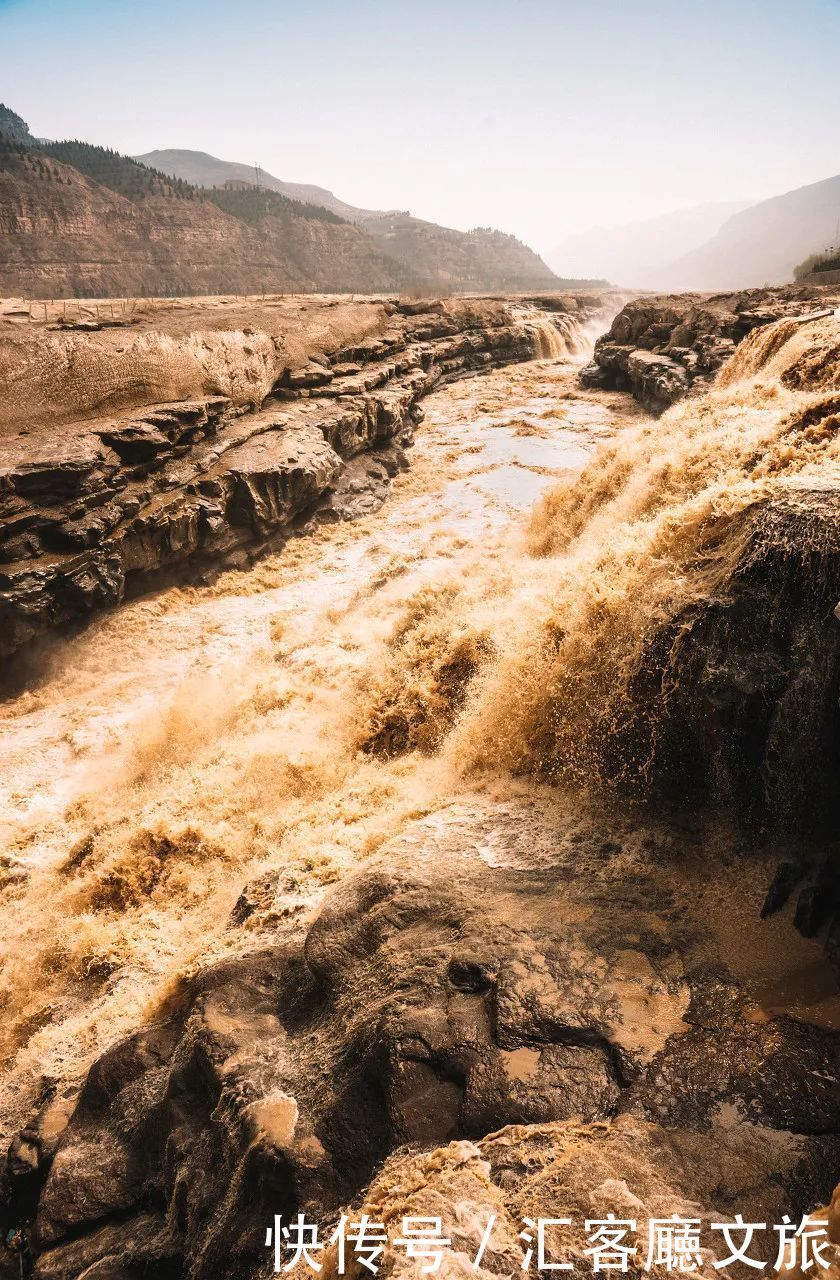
[[735, 699], [91, 510], [746, 682], [658, 348], [551, 982]]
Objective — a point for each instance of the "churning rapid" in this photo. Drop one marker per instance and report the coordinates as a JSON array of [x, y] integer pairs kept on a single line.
[[487, 630], [198, 737]]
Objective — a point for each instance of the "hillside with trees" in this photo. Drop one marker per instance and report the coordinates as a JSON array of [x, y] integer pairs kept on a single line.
[[84, 220]]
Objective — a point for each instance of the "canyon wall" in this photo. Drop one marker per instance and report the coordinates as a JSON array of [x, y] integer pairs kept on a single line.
[[134, 232], [71, 237], [216, 442], [442, 257]]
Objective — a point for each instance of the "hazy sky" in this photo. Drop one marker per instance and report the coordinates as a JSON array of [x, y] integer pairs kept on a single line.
[[541, 117]]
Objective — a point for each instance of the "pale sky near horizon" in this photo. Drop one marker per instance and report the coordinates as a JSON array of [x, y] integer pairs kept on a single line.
[[541, 117]]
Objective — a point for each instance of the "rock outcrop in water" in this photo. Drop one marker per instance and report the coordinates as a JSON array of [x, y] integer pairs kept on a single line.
[[730, 660], [93, 508], [660, 347], [742, 686], [752, 673]]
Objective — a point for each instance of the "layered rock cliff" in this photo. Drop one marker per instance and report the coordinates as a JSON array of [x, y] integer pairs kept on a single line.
[[78, 221], [64, 235], [441, 256], [260, 428]]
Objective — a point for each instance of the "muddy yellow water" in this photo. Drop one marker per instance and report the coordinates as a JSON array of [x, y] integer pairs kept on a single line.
[[405, 677], [197, 737]]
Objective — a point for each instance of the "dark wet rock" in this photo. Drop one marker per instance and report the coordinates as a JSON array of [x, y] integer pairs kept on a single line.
[[785, 880], [816, 905], [167, 1117], [415, 1011], [594, 378], [363, 484], [752, 720], [778, 1073], [140, 1246], [655, 380]]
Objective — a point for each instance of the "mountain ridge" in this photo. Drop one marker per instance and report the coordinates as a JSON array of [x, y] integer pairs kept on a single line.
[[759, 243], [67, 235], [443, 255], [204, 170], [82, 220]]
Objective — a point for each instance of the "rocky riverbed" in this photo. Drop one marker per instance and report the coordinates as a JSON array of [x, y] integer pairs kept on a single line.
[[103, 487], [472, 857]]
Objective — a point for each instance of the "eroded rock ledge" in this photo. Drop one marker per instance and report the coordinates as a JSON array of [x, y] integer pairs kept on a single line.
[[94, 508], [660, 347], [414, 1012]]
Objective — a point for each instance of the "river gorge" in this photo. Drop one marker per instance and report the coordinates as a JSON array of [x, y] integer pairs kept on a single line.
[[420, 774]]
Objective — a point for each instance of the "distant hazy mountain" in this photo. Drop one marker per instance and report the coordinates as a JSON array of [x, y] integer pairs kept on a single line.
[[204, 170], [763, 244], [635, 254], [472, 260]]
